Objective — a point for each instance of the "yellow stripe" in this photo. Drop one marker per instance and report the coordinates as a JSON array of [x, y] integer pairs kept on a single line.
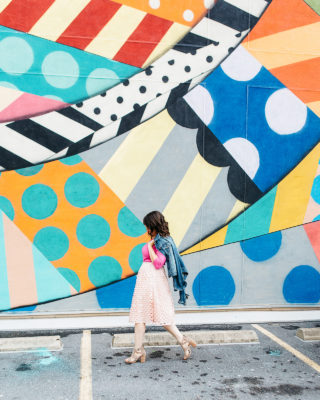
[[293, 193], [113, 36], [315, 107], [57, 18], [289, 348], [189, 195], [286, 47], [215, 240], [7, 96], [126, 166], [3, 4], [85, 390], [173, 35], [238, 207]]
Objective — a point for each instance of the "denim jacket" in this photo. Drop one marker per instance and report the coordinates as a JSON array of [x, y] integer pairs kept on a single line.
[[176, 268]]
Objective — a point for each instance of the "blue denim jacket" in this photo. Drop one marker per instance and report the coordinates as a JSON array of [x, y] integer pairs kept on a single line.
[[176, 268]]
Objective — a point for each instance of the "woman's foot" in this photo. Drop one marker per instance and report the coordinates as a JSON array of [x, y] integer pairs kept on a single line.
[[137, 354], [186, 346]]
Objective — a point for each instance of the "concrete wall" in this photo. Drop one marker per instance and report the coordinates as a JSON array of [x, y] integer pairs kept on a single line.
[[207, 111]]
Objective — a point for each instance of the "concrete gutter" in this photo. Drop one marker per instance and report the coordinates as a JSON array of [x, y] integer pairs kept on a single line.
[[30, 343], [200, 337], [308, 333]]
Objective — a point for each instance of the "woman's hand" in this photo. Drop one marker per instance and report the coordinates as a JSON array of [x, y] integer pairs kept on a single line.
[[151, 243]]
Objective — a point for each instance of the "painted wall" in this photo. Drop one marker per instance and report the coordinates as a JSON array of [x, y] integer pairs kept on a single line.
[[205, 110]]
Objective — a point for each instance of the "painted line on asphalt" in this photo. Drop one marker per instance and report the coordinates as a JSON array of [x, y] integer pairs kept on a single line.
[[86, 367], [291, 349]]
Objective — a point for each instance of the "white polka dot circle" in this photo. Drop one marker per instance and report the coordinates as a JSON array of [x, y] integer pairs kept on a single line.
[[154, 4], [240, 65], [285, 113], [245, 153], [208, 4], [201, 101], [188, 15]]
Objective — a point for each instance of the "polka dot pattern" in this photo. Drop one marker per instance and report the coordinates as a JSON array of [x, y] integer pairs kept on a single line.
[[262, 248], [93, 231], [52, 242], [6, 207], [129, 223], [104, 270], [45, 68], [82, 190], [45, 204], [302, 285]]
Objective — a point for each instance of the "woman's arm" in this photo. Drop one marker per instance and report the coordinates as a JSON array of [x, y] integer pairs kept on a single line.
[[158, 259]]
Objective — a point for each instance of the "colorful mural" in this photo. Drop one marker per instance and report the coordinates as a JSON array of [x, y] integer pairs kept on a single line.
[[208, 111]]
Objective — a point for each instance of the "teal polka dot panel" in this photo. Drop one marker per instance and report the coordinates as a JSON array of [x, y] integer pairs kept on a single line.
[[45, 204], [45, 68], [52, 242], [104, 270], [93, 231], [129, 224], [82, 189]]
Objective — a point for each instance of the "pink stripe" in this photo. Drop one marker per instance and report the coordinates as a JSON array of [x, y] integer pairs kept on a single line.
[[21, 277]]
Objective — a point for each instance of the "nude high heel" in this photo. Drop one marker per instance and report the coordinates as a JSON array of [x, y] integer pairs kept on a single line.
[[137, 354], [185, 344]]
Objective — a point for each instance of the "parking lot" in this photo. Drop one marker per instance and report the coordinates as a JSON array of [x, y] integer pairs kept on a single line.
[[278, 366]]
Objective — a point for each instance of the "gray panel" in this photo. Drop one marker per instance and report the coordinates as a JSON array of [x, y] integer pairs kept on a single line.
[[213, 212], [98, 156], [159, 181]]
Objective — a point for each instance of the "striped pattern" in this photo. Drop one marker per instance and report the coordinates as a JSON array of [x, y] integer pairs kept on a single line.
[[285, 206], [26, 277], [289, 48], [127, 115], [187, 187], [103, 27]]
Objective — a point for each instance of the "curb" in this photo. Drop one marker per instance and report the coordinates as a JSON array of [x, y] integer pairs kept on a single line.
[[30, 343], [308, 333], [200, 337]]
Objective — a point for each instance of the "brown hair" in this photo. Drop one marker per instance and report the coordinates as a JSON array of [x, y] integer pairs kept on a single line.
[[154, 220]]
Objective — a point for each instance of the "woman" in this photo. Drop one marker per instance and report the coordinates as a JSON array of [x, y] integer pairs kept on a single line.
[[152, 299]]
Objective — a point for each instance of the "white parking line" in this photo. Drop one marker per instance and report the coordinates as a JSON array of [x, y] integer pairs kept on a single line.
[[86, 368], [292, 350]]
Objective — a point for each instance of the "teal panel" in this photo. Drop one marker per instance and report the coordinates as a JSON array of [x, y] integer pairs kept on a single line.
[[253, 222], [50, 283], [4, 289]]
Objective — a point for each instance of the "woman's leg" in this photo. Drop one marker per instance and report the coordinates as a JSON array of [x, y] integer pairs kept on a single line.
[[139, 330], [174, 331]]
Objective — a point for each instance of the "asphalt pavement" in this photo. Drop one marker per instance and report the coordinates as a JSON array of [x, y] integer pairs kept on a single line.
[[279, 366]]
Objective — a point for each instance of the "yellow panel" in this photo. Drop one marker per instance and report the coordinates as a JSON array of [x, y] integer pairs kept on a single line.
[[286, 47], [189, 196], [315, 107], [126, 166], [293, 193], [3, 4], [238, 207], [215, 240], [113, 36], [175, 33], [57, 18], [7, 96]]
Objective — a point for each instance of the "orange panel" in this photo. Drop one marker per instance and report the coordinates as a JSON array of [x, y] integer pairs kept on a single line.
[[302, 78], [282, 15], [66, 217], [186, 12]]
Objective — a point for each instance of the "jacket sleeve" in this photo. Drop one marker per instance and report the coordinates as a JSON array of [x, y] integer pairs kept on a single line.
[[160, 260]]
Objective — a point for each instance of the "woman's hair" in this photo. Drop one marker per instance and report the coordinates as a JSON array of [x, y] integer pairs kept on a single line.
[[154, 220]]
